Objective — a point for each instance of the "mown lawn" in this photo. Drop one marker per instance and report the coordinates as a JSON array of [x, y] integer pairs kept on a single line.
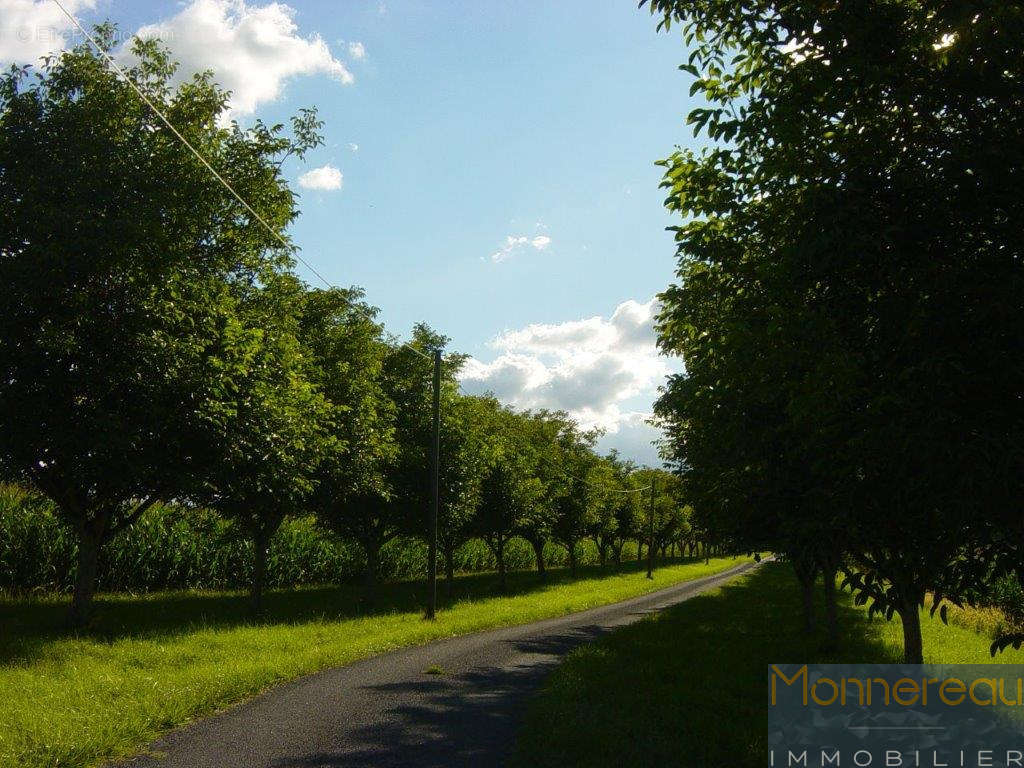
[[688, 687], [150, 663]]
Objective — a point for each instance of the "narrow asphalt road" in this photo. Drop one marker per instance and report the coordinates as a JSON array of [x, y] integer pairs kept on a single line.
[[386, 711]]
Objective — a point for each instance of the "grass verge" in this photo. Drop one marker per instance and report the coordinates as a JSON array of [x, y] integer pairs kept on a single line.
[[150, 663], [687, 687]]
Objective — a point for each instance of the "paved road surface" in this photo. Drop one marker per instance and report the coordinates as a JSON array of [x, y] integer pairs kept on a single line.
[[385, 711]]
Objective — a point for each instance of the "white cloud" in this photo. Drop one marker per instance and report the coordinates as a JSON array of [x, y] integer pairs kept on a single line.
[[253, 50], [325, 178], [599, 369], [353, 147], [31, 29], [514, 243], [634, 439], [356, 50]]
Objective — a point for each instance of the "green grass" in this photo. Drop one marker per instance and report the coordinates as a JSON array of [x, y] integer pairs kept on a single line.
[[150, 663], [688, 687]]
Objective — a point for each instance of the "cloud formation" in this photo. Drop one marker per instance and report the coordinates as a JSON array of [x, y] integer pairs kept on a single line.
[[31, 29], [515, 243], [591, 368], [326, 178], [253, 50]]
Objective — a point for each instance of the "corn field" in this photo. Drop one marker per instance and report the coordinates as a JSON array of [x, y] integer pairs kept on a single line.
[[171, 548]]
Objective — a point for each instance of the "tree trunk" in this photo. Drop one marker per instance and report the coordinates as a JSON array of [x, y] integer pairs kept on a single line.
[[831, 614], [650, 560], [372, 564], [673, 550], [572, 558], [449, 571], [639, 551], [500, 555], [496, 544], [602, 553], [617, 552], [90, 539], [806, 578], [913, 650], [538, 553], [259, 571]]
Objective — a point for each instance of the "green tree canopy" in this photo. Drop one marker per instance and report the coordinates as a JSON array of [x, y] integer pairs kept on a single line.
[[265, 452], [850, 286], [356, 494], [124, 263]]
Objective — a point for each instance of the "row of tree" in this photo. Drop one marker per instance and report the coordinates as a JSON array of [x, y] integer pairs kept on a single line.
[[851, 288], [155, 346]]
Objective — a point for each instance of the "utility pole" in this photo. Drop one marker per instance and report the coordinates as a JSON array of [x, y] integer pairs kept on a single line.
[[650, 540], [435, 490]]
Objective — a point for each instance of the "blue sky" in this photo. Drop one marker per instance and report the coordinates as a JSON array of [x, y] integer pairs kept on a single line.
[[503, 188]]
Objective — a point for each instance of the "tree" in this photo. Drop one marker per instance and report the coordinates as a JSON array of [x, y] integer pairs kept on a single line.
[[625, 506], [408, 377], [670, 511], [505, 492], [267, 449], [123, 263], [571, 520], [536, 437], [355, 494], [377, 488], [575, 507], [627, 522], [849, 285], [466, 446], [605, 493], [661, 511]]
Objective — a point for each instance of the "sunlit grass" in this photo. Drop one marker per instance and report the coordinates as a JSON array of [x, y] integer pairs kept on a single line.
[[687, 687], [153, 662], [985, 620]]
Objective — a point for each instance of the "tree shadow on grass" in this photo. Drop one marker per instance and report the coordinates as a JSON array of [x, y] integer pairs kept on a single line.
[[28, 625], [689, 686]]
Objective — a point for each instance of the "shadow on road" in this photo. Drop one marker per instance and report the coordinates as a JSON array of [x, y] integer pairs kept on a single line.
[[463, 720]]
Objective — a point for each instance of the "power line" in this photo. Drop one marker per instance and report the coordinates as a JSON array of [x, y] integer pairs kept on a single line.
[[124, 75], [170, 126], [273, 232], [435, 358]]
